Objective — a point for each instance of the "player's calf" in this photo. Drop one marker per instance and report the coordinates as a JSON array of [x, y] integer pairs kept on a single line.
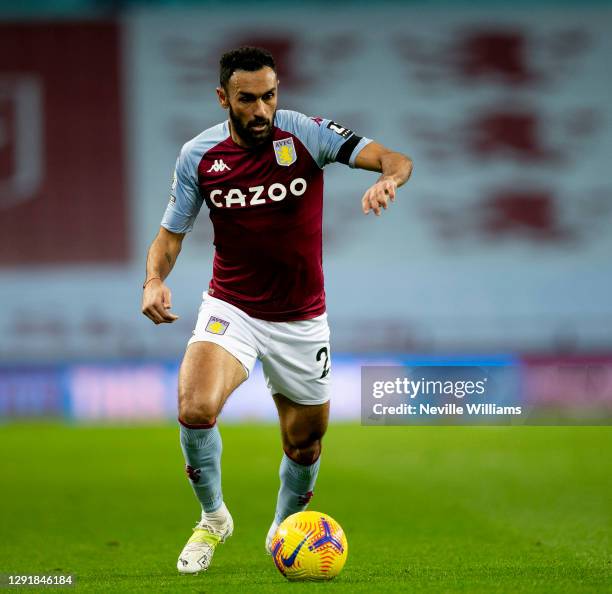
[[297, 483], [302, 429]]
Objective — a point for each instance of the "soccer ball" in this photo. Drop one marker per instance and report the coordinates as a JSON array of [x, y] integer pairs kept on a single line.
[[310, 546]]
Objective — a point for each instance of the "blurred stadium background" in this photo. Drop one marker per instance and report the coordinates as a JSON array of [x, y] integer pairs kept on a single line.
[[499, 245]]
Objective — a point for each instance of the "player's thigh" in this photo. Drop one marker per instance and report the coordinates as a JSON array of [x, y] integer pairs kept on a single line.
[[302, 425], [297, 363], [220, 356], [208, 375]]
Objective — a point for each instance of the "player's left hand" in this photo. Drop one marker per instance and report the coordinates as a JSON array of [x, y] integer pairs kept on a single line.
[[377, 197]]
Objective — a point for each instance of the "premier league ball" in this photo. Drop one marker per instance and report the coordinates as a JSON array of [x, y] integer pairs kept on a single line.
[[310, 546]]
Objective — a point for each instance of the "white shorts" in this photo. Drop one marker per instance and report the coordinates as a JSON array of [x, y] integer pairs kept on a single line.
[[295, 356]]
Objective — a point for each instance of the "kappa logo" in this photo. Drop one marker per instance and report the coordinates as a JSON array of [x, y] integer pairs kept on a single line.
[[216, 325], [218, 166], [285, 152]]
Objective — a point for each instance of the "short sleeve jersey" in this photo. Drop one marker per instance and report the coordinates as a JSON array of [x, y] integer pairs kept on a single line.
[[266, 207]]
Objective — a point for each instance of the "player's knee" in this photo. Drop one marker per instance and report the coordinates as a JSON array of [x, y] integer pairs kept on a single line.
[[194, 412], [303, 452]]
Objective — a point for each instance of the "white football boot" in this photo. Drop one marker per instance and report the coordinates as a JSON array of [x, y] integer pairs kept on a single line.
[[270, 536], [207, 534]]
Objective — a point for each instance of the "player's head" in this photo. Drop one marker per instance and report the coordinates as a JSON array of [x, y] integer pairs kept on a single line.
[[248, 88]]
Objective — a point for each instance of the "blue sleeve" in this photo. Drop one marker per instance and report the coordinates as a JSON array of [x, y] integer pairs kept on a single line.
[[326, 141], [185, 200]]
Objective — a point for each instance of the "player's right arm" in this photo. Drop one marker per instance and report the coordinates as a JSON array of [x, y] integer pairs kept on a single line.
[[156, 296], [181, 212]]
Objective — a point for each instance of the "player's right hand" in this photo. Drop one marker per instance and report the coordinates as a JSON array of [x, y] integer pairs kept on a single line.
[[157, 302]]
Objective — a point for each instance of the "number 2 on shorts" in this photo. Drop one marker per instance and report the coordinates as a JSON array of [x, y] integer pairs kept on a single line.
[[324, 353]]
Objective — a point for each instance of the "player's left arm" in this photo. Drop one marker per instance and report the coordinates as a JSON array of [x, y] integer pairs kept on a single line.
[[395, 168]]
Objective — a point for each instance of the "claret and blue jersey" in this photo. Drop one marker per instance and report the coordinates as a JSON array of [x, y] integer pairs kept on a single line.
[[266, 207]]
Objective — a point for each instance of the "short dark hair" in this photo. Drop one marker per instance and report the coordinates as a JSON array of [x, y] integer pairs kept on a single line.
[[244, 58]]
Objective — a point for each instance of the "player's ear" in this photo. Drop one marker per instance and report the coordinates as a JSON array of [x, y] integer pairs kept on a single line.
[[222, 96]]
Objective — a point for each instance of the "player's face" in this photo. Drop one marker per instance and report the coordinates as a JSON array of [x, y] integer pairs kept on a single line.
[[251, 100]]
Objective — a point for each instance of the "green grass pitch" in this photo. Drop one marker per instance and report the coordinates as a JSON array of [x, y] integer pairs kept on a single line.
[[445, 509]]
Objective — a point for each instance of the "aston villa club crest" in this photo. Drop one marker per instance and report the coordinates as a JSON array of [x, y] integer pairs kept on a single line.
[[285, 151], [216, 325]]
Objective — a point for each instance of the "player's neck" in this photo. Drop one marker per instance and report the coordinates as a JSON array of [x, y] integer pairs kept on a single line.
[[237, 139]]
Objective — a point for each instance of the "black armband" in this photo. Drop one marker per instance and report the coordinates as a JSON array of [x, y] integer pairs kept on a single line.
[[346, 150]]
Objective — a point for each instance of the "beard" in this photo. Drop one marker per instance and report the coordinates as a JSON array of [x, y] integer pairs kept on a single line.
[[247, 134]]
